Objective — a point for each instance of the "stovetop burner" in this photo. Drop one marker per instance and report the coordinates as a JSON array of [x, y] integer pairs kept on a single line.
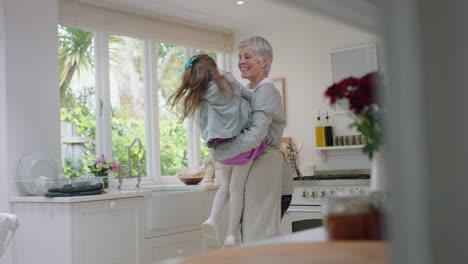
[[334, 177]]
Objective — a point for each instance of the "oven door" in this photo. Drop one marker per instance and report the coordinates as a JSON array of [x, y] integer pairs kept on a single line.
[[301, 217]]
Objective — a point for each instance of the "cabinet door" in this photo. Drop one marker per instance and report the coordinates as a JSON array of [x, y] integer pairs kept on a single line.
[[172, 212], [171, 246], [109, 231]]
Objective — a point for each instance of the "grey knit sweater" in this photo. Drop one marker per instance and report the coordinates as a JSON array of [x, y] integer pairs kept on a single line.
[[267, 123]]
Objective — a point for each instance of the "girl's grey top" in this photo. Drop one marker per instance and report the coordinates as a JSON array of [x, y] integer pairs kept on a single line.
[[223, 115], [267, 123]]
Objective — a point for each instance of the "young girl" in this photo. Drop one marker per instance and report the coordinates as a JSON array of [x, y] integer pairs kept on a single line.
[[215, 100]]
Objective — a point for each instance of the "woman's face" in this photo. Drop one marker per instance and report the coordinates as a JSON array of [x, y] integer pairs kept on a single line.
[[249, 65]]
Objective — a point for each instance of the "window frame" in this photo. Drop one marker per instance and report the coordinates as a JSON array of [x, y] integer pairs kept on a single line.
[[152, 132]]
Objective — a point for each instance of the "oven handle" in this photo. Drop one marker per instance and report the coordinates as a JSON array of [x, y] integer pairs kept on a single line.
[[306, 210]]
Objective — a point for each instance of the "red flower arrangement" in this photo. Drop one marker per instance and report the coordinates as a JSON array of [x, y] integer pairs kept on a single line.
[[361, 96]]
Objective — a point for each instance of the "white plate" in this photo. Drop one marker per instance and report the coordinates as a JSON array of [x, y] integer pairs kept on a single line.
[[35, 165]]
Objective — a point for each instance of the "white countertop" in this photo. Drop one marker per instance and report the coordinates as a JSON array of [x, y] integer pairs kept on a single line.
[[317, 234], [77, 199], [146, 190], [182, 187]]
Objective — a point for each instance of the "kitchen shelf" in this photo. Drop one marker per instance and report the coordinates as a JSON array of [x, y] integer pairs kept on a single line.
[[345, 150], [340, 147]]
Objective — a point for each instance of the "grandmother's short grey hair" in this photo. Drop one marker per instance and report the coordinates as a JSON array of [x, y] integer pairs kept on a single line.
[[261, 47]]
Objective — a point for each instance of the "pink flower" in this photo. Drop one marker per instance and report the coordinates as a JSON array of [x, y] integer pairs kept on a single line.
[[103, 166], [115, 166]]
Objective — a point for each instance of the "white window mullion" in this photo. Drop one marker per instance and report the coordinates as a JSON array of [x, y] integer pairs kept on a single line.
[[103, 105], [193, 140], [150, 80], [193, 137], [224, 62]]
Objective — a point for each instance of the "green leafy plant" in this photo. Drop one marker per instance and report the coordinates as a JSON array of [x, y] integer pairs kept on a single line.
[[76, 56]]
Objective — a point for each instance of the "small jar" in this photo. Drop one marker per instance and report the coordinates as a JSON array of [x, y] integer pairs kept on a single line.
[[358, 139], [351, 218], [341, 141], [346, 140]]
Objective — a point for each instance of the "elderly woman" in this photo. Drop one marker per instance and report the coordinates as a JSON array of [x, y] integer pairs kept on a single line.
[[263, 188]]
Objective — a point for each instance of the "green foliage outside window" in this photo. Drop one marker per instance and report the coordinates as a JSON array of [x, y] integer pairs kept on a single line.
[[76, 56], [77, 107]]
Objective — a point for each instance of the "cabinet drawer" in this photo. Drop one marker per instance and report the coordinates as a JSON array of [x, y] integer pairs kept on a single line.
[[176, 245]]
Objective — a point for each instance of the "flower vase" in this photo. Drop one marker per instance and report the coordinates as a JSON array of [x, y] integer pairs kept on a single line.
[[379, 180], [105, 180]]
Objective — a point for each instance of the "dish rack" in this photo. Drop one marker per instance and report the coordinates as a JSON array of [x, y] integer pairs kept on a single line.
[[39, 186]]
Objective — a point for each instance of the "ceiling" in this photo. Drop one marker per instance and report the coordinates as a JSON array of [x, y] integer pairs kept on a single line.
[[227, 16], [221, 14]]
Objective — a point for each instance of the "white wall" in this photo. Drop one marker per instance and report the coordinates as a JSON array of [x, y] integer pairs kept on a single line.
[[3, 177], [302, 49], [29, 101]]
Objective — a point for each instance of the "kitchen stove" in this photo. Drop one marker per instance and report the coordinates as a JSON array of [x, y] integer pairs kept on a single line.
[[314, 190], [311, 193]]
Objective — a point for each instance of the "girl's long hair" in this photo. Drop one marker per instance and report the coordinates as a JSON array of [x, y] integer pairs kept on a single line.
[[195, 80]]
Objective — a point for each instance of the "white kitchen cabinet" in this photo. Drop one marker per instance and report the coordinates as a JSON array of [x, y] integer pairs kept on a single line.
[[170, 212], [92, 232], [108, 231], [176, 245], [173, 223], [125, 227]]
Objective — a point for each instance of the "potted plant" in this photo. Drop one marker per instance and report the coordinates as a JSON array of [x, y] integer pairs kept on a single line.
[[360, 93], [102, 167]]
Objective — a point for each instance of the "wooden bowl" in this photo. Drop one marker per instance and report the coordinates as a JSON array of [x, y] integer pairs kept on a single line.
[[192, 180], [190, 176]]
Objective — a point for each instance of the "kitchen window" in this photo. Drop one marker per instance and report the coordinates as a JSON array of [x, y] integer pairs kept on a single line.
[[120, 93]]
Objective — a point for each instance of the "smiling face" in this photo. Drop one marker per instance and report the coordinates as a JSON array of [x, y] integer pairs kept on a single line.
[[249, 66]]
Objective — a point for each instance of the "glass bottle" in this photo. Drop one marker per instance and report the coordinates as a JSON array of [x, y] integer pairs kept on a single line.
[[351, 218]]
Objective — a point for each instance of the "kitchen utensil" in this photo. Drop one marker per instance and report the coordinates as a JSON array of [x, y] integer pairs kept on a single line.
[[297, 149], [40, 185], [34, 166], [191, 176]]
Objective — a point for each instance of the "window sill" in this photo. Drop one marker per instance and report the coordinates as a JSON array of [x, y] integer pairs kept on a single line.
[[163, 183]]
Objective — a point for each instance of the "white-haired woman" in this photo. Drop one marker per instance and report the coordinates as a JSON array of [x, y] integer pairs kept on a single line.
[[263, 188]]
